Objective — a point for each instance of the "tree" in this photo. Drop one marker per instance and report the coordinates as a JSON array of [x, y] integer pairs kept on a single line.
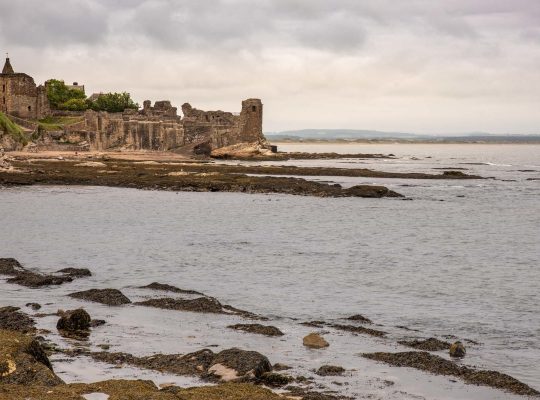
[[113, 102], [59, 94], [75, 105]]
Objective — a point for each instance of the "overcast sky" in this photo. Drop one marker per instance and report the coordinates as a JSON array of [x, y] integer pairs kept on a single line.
[[426, 66]]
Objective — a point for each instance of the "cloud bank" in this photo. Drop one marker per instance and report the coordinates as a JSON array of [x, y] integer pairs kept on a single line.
[[414, 65]]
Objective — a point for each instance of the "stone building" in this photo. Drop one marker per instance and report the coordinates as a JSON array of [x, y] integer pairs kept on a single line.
[[19, 95]]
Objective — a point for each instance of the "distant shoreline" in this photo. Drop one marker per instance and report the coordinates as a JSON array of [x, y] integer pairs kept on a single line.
[[399, 141]]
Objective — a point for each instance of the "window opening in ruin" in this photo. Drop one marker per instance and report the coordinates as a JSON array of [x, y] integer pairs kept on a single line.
[[4, 100], [29, 108], [3, 88], [254, 108]]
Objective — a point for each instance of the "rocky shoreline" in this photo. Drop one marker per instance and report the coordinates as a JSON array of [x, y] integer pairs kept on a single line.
[[156, 176], [236, 374]]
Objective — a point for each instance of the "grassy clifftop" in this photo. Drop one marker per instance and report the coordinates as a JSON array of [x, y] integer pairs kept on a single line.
[[12, 129]]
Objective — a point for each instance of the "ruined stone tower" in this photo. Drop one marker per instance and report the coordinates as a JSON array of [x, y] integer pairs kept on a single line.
[[19, 95]]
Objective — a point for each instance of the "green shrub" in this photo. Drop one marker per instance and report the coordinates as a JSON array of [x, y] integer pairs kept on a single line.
[[75, 105], [113, 102]]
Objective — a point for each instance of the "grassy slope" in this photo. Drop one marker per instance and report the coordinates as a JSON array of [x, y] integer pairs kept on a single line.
[[12, 129], [57, 123]]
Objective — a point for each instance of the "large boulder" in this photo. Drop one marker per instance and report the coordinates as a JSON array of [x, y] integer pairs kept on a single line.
[[233, 364]]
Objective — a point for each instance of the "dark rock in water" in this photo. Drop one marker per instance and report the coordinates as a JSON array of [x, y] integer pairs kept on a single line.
[[314, 324], [97, 322], [359, 329], [10, 266], [200, 304], [258, 329], [244, 363], [330, 370], [425, 361], [24, 361], [457, 350], [370, 191], [75, 272], [274, 380], [110, 297], [14, 320], [24, 277], [359, 318], [34, 306], [75, 320], [170, 288], [431, 344], [35, 280], [281, 367], [306, 394]]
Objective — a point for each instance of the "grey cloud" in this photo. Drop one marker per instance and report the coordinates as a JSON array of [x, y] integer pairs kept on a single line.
[[37, 23]]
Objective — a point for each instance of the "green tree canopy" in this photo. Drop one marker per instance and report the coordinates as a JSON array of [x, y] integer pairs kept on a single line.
[[59, 94], [113, 102]]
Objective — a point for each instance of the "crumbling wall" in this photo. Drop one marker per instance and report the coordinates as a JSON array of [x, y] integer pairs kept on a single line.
[[160, 128]]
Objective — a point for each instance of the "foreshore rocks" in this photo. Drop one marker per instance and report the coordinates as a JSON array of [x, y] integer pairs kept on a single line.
[[227, 365], [358, 329], [200, 304], [110, 297], [74, 320], [24, 277], [23, 361], [431, 344], [257, 329], [439, 366], [14, 320], [330, 370], [170, 288], [315, 341], [203, 178], [457, 350]]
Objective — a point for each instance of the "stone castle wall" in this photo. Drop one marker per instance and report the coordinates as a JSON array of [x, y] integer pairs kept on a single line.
[[160, 128]]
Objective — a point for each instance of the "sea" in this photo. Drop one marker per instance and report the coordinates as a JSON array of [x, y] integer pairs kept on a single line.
[[453, 259]]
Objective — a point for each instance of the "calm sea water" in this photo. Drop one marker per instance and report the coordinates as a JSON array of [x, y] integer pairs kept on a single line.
[[461, 258]]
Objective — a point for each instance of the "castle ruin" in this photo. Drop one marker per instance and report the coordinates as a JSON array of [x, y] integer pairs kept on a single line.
[[157, 127]]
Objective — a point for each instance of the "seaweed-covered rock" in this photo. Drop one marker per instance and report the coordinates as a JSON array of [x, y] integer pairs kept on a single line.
[[275, 380], [431, 344], [258, 329], [359, 318], [457, 350], [34, 306], [425, 361], [110, 297], [35, 280], [359, 329], [75, 320], [330, 370], [75, 272], [10, 266], [200, 304], [315, 341], [169, 288], [14, 320]]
